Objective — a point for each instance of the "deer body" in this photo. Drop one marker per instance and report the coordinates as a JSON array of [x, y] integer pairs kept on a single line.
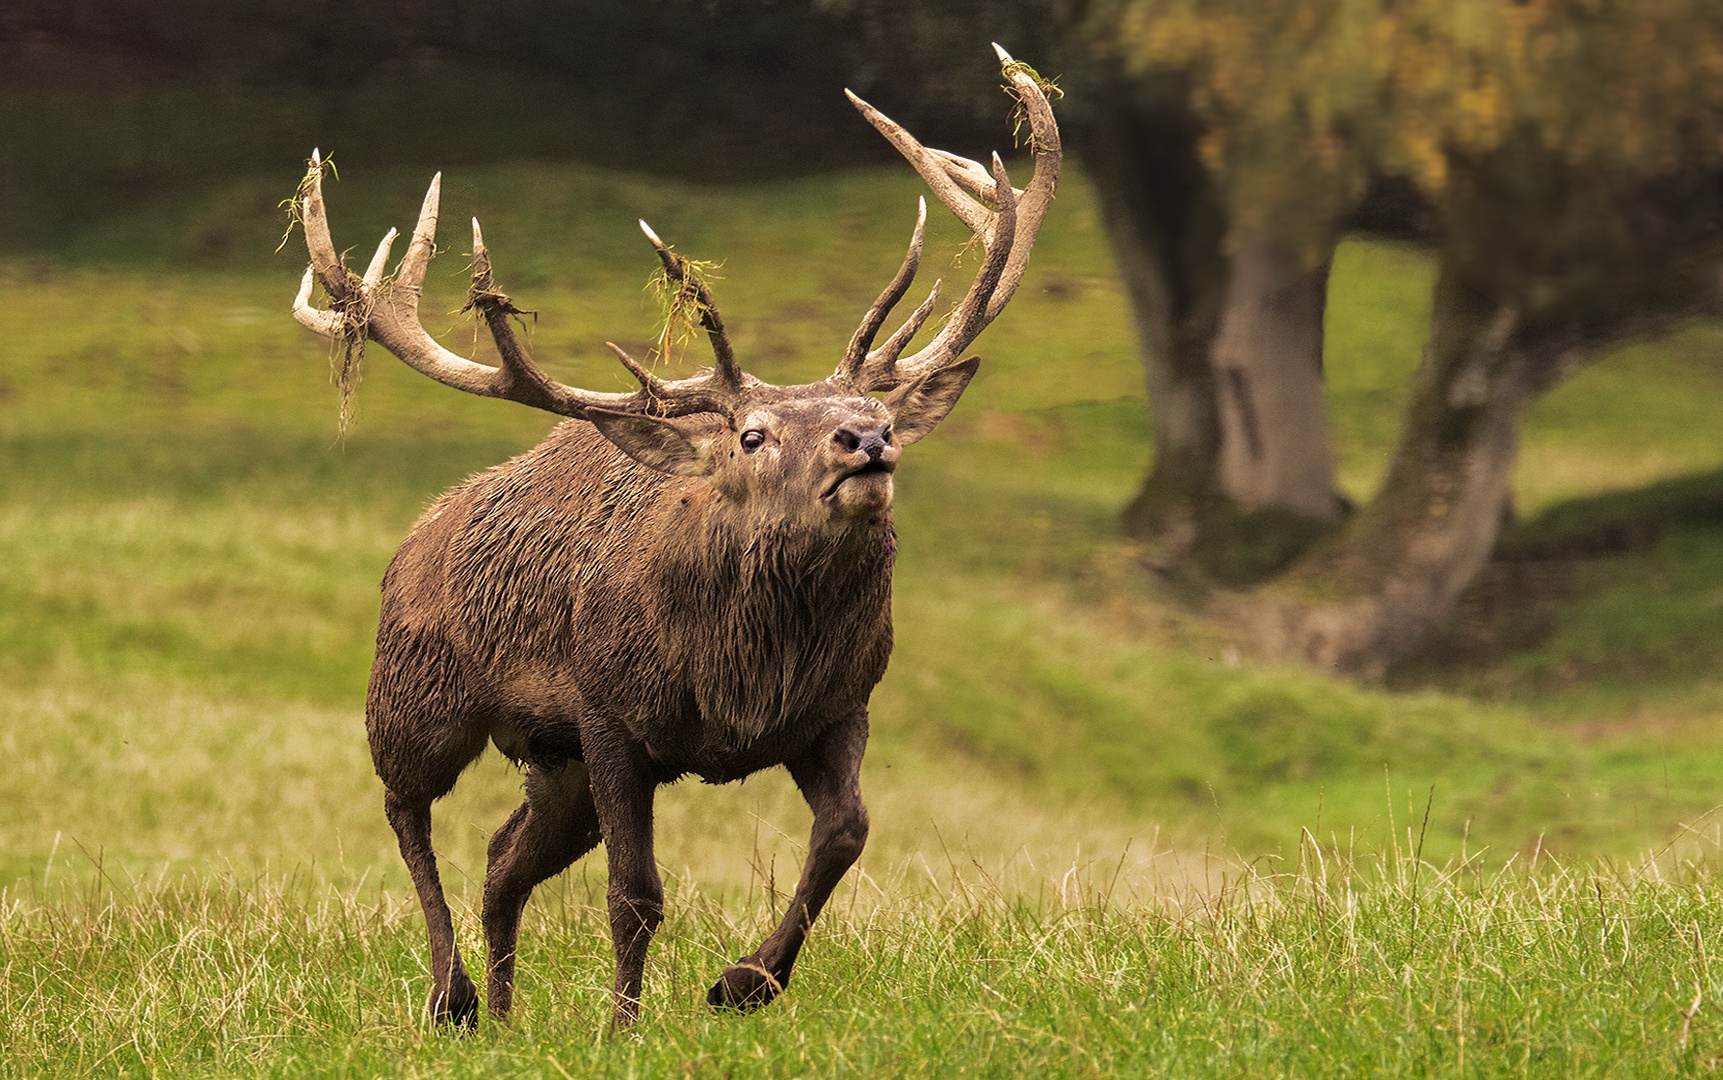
[[573, 590], [694, 578]]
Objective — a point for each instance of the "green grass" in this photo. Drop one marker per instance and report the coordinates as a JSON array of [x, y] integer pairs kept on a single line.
[[1330, 964], [188, 572]]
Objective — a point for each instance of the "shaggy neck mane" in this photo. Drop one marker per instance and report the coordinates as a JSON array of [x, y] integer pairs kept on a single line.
[[779, 618]]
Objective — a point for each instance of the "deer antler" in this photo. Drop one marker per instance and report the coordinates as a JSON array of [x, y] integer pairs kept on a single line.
[[1006, 229], [1005, 219], [387, 312]]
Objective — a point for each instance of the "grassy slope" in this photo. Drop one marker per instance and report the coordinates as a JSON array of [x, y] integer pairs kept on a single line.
[[188, 566]]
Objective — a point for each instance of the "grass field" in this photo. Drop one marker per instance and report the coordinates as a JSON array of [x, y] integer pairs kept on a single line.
[[1095, 837], [1381, 967]]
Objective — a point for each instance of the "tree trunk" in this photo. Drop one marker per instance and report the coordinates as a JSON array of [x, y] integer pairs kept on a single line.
[[1232, 349], [1165, 222], [1531, 288], [1395, 571], [1268, 365]]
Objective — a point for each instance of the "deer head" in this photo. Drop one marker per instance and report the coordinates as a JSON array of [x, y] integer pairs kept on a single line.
[[823, 450]]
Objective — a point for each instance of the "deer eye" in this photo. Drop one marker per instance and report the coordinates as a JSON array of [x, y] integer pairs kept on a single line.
[[753, 439]]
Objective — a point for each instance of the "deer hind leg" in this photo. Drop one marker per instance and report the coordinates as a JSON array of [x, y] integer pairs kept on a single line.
[[556, 824], [423, 732], [453, 996], [828, 776]]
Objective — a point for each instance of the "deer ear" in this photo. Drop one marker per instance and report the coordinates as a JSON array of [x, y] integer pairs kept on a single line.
[[658, 444], [917, 408]]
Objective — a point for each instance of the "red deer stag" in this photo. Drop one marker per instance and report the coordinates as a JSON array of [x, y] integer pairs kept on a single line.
[[694, 577]]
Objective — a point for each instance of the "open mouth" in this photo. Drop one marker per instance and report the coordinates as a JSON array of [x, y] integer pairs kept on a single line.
[[874, 467]]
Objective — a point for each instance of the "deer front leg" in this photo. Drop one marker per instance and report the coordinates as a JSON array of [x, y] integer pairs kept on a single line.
[[829, 778], [622, 790]]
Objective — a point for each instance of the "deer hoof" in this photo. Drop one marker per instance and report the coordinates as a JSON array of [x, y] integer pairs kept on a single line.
[[458, 1009], [745, 986]]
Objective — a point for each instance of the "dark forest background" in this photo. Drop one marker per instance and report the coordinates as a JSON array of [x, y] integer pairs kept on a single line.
[[112, 101]]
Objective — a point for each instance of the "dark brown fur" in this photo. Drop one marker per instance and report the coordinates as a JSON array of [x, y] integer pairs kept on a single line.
[[615, 625]]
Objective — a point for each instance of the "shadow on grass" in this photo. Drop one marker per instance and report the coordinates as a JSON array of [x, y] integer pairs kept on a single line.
[[1612, 601]]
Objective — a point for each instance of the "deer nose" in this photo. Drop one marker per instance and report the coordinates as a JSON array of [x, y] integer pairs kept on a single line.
[[871, 439]]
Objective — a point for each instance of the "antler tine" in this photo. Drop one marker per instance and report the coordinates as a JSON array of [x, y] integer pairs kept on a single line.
[[388, 313], [880, 370], [411, 273], [649, 382], [932, 167], [374, 272], [972, 313], [969, 175], [725, 366], [1007, 229], [327, 323], [519, 378], [318, 242], [857, 353], [1038, 196]]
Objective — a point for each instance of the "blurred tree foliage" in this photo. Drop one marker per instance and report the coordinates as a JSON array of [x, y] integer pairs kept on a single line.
[[1304, 102]]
